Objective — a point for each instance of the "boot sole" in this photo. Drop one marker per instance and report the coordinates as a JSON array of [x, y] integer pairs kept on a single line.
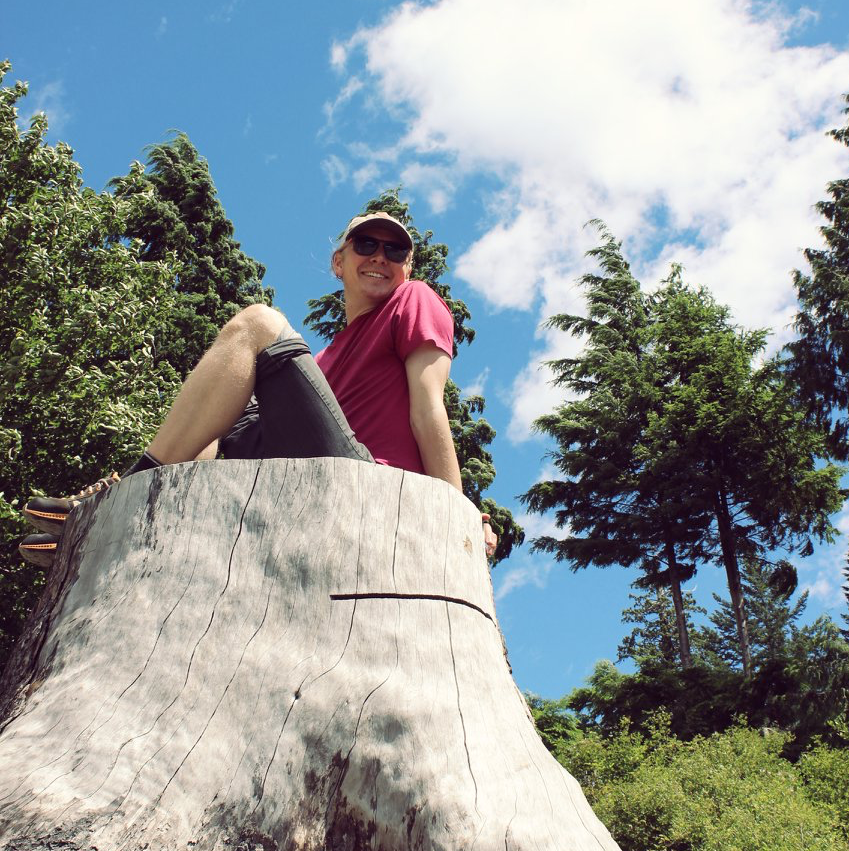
[[38, 554], [46, 521]]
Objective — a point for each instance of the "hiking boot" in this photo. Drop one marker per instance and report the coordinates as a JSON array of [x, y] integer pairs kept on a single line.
[[39, 549], [49, 513]]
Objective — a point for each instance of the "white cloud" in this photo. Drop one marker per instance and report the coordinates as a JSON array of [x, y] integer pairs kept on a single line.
[[691, 128], [162, 28], [338, 56], [524, 568], [435, 182], [248, 126], [51, 100], [477, 386], [365, 176], [334, 170], [826, 589], [842, 521], [348, 91], [224, 13]]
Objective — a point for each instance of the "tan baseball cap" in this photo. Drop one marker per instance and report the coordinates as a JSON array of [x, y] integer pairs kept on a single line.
[[382, 219]]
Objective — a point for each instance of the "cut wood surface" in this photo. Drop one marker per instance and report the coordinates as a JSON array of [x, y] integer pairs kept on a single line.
[[281, 654]]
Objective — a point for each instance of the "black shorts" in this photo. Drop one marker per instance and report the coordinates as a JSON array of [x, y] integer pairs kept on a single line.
[[293, 412]]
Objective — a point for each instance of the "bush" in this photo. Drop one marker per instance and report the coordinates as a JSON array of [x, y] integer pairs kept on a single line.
[[729, 791]]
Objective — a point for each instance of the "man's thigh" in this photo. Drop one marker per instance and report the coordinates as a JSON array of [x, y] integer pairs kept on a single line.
[[294, 413]]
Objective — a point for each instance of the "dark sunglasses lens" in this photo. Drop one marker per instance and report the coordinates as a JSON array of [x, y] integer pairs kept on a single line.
[[364, 246], [395, 253]]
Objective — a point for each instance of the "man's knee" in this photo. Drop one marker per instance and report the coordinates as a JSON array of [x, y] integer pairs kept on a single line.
[[259, 326]]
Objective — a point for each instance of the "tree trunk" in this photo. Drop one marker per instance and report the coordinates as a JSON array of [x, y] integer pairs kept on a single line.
[[678, 602], [280, 654], [735, 586]]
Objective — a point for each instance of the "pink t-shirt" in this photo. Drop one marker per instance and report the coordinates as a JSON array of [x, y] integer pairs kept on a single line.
[[364, 366]]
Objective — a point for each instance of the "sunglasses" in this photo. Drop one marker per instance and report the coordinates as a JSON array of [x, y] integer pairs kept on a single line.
[[365, 246]]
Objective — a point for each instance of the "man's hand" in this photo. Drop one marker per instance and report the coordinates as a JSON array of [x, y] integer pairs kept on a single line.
[[427, 371], [490, 539]]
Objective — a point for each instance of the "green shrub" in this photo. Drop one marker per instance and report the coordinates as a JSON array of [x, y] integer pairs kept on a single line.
[[729, 792]]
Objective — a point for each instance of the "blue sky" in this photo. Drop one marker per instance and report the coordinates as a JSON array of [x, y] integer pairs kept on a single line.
[[695, 130]]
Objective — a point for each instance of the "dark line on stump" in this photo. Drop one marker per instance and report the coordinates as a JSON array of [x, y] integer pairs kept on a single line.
[[391, 595]]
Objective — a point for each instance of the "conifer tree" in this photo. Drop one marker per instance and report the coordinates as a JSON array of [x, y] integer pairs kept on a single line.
[[678, 438], [845, 615], [819, 358], [471, 432], [619, 507], [178, 218], [770, 616], [654, 637]]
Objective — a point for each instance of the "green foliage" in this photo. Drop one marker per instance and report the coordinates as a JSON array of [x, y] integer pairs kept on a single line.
[[107, 301], [728, 791], [825, 771], [79, 310], [471, 432], [680, 449], [556, 726], [175, 213], [769, 615], [845, 615], [819, 359], [802, 691], [654, 637]]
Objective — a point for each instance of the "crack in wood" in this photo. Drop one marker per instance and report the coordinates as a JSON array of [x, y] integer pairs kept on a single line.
[[174, 700], [395, 595]]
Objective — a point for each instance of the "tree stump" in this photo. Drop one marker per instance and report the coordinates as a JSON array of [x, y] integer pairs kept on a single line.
[[281, 654]]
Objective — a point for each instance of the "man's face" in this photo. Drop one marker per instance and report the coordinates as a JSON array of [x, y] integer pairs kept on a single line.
[[370, 279]]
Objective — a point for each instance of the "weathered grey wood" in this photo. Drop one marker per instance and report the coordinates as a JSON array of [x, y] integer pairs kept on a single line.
[[207, 670]]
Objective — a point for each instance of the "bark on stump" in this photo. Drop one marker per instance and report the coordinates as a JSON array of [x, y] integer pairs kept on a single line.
[[283, 654]]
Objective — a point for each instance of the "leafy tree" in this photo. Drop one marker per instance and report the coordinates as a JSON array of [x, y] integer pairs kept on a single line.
[[617, 508], [654, 638], [824, 770], [555, 724], [819, 358], [732, 790], [107, 301], [176, 214], [471, 435], [79, 310], [814, 685]]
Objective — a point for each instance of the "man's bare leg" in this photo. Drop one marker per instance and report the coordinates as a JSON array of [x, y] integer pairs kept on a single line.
[[218, 389]]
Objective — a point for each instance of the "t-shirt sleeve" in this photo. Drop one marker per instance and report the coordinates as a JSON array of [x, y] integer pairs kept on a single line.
[[422, 317]]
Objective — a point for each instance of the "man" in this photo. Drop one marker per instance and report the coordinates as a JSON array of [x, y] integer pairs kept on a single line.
[[375, 394]]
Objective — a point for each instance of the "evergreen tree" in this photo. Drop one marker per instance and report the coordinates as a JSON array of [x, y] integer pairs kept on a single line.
[[845, 615], [471, 432], [741, 436], [771, 618], [819, 362], [619, 506], [679, 449], [654, 638], [177, 216]]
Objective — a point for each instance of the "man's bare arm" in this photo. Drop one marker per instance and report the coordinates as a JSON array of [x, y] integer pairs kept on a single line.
[[427, 371]]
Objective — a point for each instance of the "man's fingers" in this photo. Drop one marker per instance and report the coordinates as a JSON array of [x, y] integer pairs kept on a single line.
[[490, 539]]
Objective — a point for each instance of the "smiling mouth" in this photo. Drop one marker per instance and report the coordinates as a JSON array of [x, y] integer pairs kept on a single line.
[[375, 275]]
